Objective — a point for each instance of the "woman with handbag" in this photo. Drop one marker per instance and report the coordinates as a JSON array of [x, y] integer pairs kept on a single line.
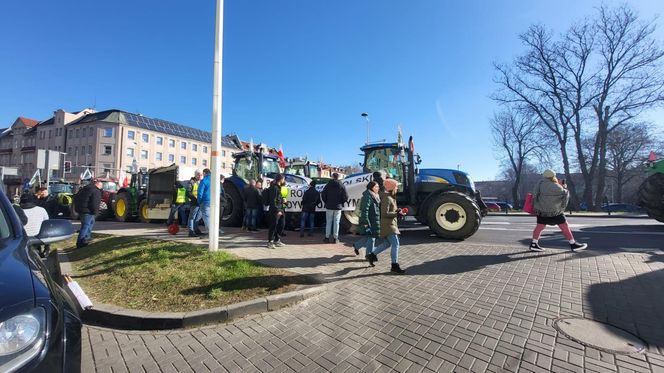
[[389, 230], [369, 222], [549, 201]]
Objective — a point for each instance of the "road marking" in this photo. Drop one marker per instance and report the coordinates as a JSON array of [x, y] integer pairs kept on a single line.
[[579, 232]]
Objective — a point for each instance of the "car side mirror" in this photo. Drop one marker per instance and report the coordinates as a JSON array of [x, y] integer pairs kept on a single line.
[[52, 230]]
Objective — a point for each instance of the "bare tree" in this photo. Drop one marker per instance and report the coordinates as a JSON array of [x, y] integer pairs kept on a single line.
[[515, 134], [536, 81], [631, 79], [627, 147]]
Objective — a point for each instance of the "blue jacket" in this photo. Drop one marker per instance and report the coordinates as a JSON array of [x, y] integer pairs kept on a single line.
[[204, 191]]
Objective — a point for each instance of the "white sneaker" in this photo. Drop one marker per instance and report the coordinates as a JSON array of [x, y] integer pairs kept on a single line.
[[279, 244], [534, 246], [578, 246], [270, 245]]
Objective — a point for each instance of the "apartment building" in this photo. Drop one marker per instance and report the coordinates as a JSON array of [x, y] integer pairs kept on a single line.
[[109, 143]]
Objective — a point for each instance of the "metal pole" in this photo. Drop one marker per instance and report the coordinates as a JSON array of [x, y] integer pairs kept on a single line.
[[366, 117], [215, 202]]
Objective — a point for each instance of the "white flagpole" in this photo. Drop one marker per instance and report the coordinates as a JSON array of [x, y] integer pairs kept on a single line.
[[215, 202]]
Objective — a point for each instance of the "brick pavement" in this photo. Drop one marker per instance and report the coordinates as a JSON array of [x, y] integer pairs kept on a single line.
[[460, 308]]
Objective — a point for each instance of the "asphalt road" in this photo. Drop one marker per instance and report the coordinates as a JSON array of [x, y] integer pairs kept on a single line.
[[601, 233]]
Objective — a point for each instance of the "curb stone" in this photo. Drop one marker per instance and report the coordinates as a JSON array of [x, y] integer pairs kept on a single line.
[[108, 315]]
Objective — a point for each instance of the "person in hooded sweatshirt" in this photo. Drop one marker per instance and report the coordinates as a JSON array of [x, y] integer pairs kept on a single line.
[[334, 197], [369, 221], [35, 214]]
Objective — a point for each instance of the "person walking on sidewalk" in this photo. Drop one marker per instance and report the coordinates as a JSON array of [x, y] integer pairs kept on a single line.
[[204, 198], [252, 201], [276, 212], [310, 200], [550, 199], [389, 229], [334, 197], [369, 221], [192, 194], [87, 206]]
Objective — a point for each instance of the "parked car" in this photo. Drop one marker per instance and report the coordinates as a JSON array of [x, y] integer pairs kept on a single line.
[[40, 329], [493, 207], [505, 206], [621, 207]]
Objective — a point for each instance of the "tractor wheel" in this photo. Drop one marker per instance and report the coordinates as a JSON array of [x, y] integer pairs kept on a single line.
[[651, 196], [349, 221], [234, 207], [73, 215], [122, 207], [453, 215], [143, 211]]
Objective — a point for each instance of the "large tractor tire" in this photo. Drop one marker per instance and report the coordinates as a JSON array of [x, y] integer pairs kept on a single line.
[[122, 208], [651, 196], [453, 215], [234, 207], [143, 211]]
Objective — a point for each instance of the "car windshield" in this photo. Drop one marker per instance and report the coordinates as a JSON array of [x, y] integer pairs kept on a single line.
[[388, 160], [246, 167], [60, 188], [110, 186]]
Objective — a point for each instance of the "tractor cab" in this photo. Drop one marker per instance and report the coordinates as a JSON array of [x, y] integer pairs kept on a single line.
[[305, 169], [252, 165], [397, 161]]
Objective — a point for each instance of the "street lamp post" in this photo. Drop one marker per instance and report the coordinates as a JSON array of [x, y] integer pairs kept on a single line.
[[366, 118], [215, 185]]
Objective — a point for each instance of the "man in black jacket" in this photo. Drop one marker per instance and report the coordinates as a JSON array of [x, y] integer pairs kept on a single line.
[[310, 200], [276, 212], [252, 201], [87, 206], [334, 197]]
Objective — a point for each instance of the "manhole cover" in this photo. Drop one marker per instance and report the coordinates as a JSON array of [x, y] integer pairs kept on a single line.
[[600, 336]]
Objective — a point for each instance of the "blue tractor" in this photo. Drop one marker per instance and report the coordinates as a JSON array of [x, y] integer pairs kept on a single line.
[[446, 200]]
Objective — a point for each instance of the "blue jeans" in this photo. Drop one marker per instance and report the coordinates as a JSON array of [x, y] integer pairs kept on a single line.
[[332, 218], [194, 217], [307, 216], [204, 212], [87, 222], [391, 241], [367, 241], [250, 216]]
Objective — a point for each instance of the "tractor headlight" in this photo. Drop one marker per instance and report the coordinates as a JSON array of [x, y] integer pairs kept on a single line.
[[21, 339]]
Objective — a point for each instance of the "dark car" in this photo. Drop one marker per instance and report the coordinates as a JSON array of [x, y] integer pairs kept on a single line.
[[621, 207], [40, 330]]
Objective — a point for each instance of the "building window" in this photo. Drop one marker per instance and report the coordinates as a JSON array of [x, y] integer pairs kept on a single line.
[[70, 133], [130, 152], [108, 150], [193, 161], [183, 145], [171, 143], [131, 135], [194, 147], [77, 133], [205, 163], [144, 154], [171, 158], [50, 134], [70, 151], [108, 132], [158, 156], [75, 151], [146, 137], [89, 149], [160, 140], [107, 168], [183, 159], [92, 131], [223, 153], [83, 150], [223, 164], [204, 149]]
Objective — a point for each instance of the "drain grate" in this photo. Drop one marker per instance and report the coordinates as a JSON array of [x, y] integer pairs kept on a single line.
[[601, 336]]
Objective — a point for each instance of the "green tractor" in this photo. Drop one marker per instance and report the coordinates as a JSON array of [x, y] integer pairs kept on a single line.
[[651, 192], [306, 168], [130, 202], [62, 193]]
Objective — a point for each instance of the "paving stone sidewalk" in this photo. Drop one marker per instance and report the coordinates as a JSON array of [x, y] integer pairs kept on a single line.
[[460, 308]]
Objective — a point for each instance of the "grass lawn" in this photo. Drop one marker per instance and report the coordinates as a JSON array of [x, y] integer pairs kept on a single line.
[[153, 275]]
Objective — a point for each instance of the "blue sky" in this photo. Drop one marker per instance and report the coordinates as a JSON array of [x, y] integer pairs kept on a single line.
[[296, 72]]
